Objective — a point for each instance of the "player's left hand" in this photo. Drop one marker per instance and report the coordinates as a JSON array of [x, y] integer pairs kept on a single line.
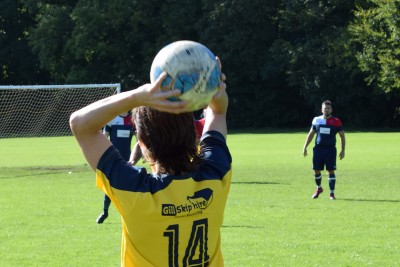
[[341, 155]]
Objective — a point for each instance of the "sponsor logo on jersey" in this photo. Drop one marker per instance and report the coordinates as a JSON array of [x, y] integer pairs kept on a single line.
[[194, 205], [123, 133], [324, 130]]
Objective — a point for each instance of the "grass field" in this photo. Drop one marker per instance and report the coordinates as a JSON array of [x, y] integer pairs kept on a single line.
[[50, 203]]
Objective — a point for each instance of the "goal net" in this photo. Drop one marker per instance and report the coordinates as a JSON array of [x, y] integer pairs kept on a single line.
[[44, 110], [34, 122]]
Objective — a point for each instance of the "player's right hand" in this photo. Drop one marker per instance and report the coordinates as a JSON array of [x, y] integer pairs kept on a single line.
[[153, 96]]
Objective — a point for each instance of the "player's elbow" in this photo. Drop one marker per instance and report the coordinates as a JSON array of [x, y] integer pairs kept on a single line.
[[75, 122]]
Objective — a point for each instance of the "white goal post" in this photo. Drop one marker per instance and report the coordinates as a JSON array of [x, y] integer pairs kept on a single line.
[[44, 110]]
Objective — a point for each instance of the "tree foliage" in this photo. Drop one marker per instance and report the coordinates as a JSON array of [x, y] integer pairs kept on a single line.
[[49, 37], [241, 32], [282, 57], [376, 32], [18, 64]]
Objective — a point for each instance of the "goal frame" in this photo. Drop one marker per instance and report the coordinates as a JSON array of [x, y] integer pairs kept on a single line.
[[32, 127], [62, 86]]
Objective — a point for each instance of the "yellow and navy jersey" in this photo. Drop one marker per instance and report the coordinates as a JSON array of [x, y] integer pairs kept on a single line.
[[326, 130], [170, 220]]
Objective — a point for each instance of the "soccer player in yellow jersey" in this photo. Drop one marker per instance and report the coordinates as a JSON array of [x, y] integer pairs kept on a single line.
[[173, 215]]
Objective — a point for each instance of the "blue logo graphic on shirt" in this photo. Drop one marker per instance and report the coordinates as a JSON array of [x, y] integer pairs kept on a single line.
[[201, 199]]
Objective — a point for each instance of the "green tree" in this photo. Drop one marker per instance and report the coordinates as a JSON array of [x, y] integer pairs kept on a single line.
[[316, 52], [282, 57], [123, 37], [241, 33], [376, 33], [90, 41], [312, 43], [17, 62], [50, 34]]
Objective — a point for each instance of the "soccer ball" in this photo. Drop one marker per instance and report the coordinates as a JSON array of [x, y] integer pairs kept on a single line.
[[191, 68]]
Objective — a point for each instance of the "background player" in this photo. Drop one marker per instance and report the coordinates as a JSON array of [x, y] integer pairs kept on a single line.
[[326, 127], [120, 130], [199, 125]]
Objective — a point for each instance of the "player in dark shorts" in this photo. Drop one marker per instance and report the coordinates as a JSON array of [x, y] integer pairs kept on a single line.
[[326, 127]]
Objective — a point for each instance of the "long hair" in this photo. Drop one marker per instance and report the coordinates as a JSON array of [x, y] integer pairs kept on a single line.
[[170, 139]]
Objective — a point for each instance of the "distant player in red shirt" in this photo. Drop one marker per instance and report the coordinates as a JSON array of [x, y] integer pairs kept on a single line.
[[326, 127], [199, 125]]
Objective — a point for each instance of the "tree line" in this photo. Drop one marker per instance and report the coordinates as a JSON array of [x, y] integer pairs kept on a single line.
[[282, 57]]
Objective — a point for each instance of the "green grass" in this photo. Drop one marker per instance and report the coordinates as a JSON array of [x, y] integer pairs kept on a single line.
[[28, 152], [50, 203]]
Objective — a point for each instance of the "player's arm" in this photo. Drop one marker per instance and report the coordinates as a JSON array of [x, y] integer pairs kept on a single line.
[[87, 122], [215, 117], [343, 141], [309, 138]]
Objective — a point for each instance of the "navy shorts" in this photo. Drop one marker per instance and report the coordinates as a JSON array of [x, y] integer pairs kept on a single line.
[[324, 156]]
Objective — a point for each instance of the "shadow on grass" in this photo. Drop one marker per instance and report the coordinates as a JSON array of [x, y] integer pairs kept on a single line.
[[371, 200], [11, 173], [255, 183], [305, 130], [241, 226]]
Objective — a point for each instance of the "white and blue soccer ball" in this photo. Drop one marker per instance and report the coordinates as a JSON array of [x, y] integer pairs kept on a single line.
[[191, 68]]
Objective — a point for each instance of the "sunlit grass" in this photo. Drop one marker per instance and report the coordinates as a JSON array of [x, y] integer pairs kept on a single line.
[[50, 203]]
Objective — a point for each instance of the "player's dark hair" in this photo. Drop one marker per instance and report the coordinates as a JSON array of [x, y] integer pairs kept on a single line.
[[170, 139], [327, 103]]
